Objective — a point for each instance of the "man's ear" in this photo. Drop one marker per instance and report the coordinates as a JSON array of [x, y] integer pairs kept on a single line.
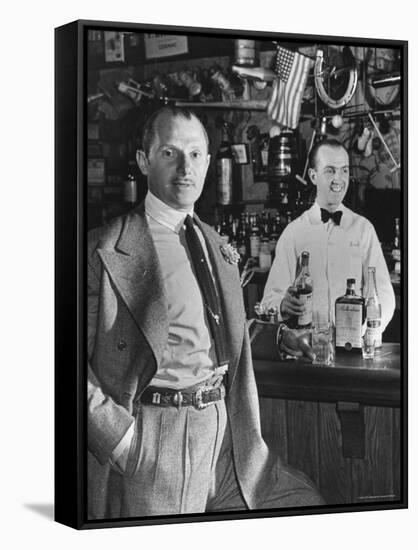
[[142, 161], [312, 175]]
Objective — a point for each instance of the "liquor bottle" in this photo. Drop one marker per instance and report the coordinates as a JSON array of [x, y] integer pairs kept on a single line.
[[255, 238], [233, 233], [349, 318], [322, 133], [130, 189], [303, 285], [288, 217], [396, 250], [224, 233], [224, 163], [264, 257], [242, 246], [373, 309], [274, 235]]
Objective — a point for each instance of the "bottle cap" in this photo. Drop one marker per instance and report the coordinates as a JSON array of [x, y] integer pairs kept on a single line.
[[351, 282]]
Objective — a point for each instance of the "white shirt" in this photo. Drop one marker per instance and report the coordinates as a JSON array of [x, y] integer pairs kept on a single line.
[[189, 356], [336, 254]]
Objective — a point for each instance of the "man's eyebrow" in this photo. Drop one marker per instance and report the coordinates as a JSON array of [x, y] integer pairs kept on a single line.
[[333, 166], [188, 146]]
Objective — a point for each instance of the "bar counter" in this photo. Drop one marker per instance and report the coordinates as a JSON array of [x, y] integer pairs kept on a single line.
[[351, 378], [340, 424]]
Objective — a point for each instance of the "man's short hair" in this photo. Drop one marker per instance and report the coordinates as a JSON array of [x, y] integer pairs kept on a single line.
[[149, 131], [331, 142]]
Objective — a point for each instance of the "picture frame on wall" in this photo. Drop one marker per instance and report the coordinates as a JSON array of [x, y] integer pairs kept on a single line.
[[177, 403], [241, 153]]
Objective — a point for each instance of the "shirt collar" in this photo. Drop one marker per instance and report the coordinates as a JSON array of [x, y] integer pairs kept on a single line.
[[165, 215]]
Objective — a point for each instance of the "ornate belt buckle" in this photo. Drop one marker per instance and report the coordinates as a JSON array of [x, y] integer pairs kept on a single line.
[[198, 399], [178, 399]]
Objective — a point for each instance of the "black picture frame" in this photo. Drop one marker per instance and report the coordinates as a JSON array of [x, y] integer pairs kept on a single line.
[[71, 224]]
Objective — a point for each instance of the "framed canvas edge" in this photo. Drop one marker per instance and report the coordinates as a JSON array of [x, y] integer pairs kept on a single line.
[[70, 270]]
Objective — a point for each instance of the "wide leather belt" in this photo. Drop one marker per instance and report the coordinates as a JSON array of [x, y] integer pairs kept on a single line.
[[200, 398]]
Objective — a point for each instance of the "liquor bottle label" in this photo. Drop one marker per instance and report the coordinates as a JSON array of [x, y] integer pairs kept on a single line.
[[255, 246], [224, 166], [348, 325], [374, 329], [306, 318], [396, 254]]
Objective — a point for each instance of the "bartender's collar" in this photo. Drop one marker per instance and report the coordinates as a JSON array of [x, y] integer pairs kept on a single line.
[[163, 214]]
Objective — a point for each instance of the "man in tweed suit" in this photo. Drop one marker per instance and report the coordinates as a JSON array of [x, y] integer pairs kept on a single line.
[[155, 445]]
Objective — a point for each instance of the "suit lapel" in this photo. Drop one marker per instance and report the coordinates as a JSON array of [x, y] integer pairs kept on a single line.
[[228, 283], [134, 268]]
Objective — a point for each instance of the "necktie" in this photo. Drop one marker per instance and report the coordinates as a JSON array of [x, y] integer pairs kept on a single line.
[[335, 216], [207, 287]]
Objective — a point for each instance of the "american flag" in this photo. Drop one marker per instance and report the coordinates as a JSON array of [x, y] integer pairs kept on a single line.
[[292, 71]]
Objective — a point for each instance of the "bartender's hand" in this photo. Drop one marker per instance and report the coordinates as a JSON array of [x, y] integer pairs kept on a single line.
[[291, 305], [296, 343]]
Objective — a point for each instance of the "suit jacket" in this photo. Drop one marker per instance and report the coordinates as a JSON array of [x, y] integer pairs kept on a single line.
[[127, 332]]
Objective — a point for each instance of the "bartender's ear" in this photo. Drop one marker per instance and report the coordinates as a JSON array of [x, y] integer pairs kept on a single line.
[[312, 175], [142, 161]]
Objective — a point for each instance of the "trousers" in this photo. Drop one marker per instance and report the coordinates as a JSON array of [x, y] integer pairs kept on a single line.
[[181, 462]]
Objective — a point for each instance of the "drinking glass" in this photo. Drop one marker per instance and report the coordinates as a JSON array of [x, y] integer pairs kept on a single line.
[[323, 343], [368, 345]]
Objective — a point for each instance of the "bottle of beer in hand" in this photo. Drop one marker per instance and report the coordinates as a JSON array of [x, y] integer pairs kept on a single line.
[[303, 286]]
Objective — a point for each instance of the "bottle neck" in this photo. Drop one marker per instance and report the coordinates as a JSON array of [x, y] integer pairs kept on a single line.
[[371, 285]]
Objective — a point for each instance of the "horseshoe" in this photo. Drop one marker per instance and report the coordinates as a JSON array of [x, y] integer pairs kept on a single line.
[[319, 84]]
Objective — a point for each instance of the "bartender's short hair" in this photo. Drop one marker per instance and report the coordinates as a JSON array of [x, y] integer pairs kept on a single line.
[[149, 131], [331, 142]]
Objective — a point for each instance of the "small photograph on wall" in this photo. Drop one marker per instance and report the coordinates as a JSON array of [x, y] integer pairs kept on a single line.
[[243, 285]]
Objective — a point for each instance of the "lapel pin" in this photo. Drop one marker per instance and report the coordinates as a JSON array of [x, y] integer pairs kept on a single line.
[[230, 254]]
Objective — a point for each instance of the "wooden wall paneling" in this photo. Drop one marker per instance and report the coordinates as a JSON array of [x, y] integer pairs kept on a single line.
[[373, 475], [334, 470], [302, 437], [274, 425], [396, 453]]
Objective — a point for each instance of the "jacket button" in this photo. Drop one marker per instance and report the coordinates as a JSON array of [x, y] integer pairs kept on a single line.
[[122, 345]]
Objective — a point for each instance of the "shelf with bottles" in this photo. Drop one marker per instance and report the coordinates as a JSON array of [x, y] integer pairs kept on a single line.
[[254, 235]]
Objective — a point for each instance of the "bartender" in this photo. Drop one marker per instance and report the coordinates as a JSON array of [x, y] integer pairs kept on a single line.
[[341, 244]]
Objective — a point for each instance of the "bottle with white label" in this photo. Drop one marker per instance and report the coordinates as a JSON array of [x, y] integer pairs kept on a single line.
[[373, 309], [224, 164], [303, 285], [349, 318]]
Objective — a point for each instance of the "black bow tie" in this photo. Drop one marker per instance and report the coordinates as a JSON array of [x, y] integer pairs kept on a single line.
[[335, 216]]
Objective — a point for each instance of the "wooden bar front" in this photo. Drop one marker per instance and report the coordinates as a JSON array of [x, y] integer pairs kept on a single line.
[[341, 425]]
